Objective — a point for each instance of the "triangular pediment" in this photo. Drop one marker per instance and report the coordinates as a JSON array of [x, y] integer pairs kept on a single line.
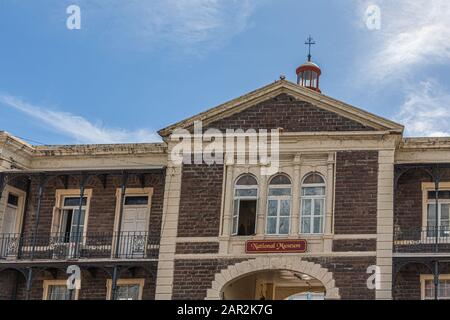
[[286, 105]]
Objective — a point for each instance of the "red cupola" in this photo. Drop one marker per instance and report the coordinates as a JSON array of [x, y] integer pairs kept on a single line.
[[308, 74]]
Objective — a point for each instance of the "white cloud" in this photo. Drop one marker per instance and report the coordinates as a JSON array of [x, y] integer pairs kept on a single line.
[[413, 34], [195, 25], [77, 127], [426, 110]]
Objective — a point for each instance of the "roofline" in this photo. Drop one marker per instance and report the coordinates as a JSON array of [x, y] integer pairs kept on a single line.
[[281, 86]]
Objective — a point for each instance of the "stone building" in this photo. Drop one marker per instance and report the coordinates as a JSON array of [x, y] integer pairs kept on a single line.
[[350, 198]]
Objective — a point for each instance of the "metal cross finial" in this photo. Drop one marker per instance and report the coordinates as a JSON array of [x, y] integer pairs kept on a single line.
[[310, 41]]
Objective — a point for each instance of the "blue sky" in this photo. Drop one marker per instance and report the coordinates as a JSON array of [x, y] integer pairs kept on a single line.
[[137, 66]]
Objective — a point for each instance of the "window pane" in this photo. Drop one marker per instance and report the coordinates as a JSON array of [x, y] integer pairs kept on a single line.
[[285, 209], [247, 180], [272, 208], [441, 195], [306, 207], [59, 292], [76, 216], [136, 200], [313, 191], [74, 201], [445, 212], [306, 225], [313, 178], [284, 225], [271, 225], [429, 289], [13, 199], [317, 225], [128, 292], [280, 179], [246, 192], [279, 191], [235, 221], [236, 207], [318, 207]]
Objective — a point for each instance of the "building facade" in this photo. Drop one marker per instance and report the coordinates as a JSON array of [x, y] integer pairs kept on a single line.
[[351, 198]]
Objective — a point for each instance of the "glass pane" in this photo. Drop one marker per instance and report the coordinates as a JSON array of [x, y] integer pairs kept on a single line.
[[313, 178], [445, 220], [313, 191], [235, 221], [431, 220], [74, 201], [59, 292], [318, 207], [247, 180], [306, 225], [272, 208], [279, 191], [76, 216], [285, 209], [136, 200], [317, 225], [13, 199], [246, 192], [128, 292], [441, 195], [306, 207], [429, 289], [280, 179], [284, 225], [236, 207], [445, 211], [271, 225]]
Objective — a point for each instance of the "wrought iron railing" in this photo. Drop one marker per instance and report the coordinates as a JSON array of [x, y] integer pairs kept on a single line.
[[63, 246], [422, 240]]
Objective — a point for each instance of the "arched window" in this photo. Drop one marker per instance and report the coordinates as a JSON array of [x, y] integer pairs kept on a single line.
[[312, 204], [279, 205], [245, 205]]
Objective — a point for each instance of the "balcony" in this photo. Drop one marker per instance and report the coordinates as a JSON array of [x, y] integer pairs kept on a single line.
[[429, 240], [124, 245]]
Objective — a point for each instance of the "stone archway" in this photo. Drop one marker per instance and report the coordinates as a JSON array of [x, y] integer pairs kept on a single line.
[[291, 263]]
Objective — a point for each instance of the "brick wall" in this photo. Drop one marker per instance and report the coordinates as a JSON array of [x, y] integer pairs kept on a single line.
[[7, 284], [286, 112], [93, 283], [192, 278], [354, 245], [356, 192], [200, 200], [350, 275], [197, 247], [408, 199]]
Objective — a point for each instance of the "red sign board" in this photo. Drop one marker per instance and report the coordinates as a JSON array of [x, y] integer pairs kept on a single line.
[[275, 246]]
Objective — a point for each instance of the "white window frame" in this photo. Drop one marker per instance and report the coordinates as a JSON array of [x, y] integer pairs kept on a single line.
[[60, 195], [49, 283], [20, 206], [428, 277], [239, 198], [279, 199], [124, 282], [427, 187], [312, 198]]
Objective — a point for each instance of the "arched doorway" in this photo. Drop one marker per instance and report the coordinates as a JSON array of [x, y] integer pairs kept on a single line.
[[259, 278], [274, 285]]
